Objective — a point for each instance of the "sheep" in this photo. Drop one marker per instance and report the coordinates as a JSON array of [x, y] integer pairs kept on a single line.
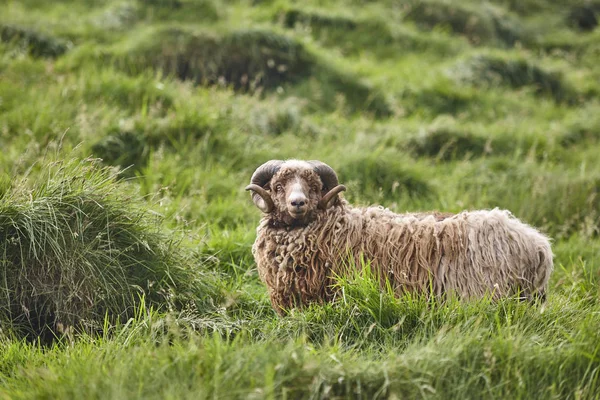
[[308, 234]]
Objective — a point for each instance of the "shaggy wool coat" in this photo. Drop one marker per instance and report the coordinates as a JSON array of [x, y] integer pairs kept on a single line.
[[471, 254]]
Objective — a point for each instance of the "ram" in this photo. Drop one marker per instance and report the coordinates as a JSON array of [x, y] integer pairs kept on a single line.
[[308, 235]]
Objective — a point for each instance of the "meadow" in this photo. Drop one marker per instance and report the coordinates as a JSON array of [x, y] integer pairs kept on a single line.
[[129, 129]]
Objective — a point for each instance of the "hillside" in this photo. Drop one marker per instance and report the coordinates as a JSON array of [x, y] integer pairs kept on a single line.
[[129, 129]]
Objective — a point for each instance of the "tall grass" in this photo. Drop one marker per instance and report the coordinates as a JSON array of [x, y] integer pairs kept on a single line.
[[78, 248], [367, 345], [133, 276]]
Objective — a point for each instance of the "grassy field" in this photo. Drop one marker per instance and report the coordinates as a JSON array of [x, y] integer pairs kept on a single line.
[[129, 128]]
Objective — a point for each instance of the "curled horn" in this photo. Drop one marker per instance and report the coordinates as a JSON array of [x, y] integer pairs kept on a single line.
[[260, 178], [330, 183]]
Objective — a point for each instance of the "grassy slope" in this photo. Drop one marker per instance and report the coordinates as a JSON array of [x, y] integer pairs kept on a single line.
[[495, 107]]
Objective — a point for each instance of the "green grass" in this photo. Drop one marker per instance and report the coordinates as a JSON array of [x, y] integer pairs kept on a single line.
[[132, 277], [368, 345], [79, 251]]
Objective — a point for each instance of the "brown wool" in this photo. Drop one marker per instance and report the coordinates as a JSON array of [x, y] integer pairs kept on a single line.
[[471, 254]]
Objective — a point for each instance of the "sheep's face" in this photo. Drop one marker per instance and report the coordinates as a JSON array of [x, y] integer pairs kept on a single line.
[[296, 193], [293, 192]]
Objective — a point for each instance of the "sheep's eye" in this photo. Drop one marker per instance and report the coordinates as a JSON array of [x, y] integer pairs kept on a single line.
[[278, 188]]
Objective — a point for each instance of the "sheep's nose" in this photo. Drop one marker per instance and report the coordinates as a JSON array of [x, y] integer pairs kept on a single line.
[[298, 203], [297, 200]]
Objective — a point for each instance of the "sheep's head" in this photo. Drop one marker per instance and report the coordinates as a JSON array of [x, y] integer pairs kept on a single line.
[[294, 191]]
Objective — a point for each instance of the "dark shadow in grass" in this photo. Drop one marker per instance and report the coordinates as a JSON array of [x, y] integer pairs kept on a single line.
[[515, 73], [130, 147], [347, 33], [358, 35], [481, 25], [584, 17], [247, 61], [125, 149], [436, 100], [186, 10], [448, 144], [578, 134], [294, 16], [359, 95], [34, 42]]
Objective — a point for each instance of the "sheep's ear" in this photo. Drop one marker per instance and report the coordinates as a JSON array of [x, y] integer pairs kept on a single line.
[[326, 200], [261, 198]]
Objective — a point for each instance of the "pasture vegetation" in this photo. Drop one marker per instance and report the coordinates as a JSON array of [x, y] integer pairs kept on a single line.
[[132, 276]]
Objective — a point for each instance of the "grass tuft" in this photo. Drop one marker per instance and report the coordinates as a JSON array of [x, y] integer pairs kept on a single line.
[[130, 143], [383, 174], [584, 129], [441, 98], [33, 42], [196, 10], [76, 249], [119, 16], [244, 59], [515, 73], [357, 36], [584, 17], [350, 34], [447, 143], [479, 25], [125, 149], [294, 16]]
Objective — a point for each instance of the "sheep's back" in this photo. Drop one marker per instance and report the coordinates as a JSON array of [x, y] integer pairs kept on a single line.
[[473, 253]]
